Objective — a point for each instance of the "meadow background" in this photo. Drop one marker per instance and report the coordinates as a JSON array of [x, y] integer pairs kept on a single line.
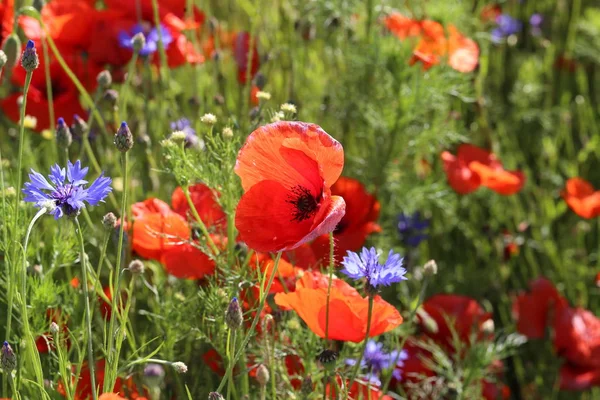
[[532, 98]]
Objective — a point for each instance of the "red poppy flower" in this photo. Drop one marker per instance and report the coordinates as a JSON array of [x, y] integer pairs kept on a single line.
[[597, 280], [144, 7], [241, 49], [302, 256], [111, 396], [402, 26], [494, 390], [463, 53], [358, 390], [573, 377], [577, 337], [534, 310], [490, 12], [205, 202], [432, 46], [464, 313], [214, 361], [186, 260], [287, 169], [7, 9], [150, 206], [582, 198], [359, 221], [473, 166], [155, 233], [348, 321]]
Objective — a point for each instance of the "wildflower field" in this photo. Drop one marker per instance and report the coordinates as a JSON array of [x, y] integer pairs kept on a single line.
[[299, 199]]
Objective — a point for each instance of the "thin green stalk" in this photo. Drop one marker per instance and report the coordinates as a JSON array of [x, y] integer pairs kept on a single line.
[[113, 358], [330, 275], [11, 289], [250, 331], [161, 45], [88, 313], [48, 85], [365, 341], [211, 243], [125, 87], [31, 349]]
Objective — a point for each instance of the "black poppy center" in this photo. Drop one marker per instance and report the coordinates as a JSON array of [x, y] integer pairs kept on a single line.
[[305, 204]]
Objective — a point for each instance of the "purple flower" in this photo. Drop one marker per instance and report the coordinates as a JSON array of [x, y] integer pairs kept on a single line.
[[376, 359], [411, 227], [507, 26], [67, 190], [366, 265], [184, 125], [151, 34], [536, 21]]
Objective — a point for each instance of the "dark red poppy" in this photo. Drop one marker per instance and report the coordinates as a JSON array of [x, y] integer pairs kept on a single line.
[[473, 167], [490, 12], [577, 337], [464, 314], [214, 361], [573, 377], [349, 320], [144, 7], [582, 198], [359, 221], [287, 169], [241, 51], [205, 202], [534, 311]]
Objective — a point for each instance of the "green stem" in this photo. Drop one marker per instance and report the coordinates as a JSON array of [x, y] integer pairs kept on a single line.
[[48, 85], [364, 345], [330, 274], [161, 46], [88, 313], [113, 358], [211, 243], [253, 326], [125, 86]]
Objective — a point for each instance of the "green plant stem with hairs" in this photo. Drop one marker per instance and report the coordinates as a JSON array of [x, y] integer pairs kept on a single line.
[[329, 284], [88, 312], [113, 357], [250, 331], [365, 341]]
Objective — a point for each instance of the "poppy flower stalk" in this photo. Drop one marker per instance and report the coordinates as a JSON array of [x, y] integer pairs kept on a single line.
[[201, 224]]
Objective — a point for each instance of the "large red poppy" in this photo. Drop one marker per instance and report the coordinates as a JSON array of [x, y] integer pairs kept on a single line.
[[155, 233], [582, 198], [287, 169], [533, 311], [473, 167], [573, 377], [205, 202], [348, 309], [362, 212]]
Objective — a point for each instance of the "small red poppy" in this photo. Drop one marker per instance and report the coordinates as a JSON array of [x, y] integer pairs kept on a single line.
[[359, 221], [463, 53], [287, 169], [205, 202], [577, 337], [402, 26], [582, 198], [348, 309], [155, 233]]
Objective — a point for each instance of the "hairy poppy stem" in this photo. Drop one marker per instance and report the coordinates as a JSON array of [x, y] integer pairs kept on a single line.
[[261, 305], [330, 276], [88, 313], [113, 356], [364, 344]]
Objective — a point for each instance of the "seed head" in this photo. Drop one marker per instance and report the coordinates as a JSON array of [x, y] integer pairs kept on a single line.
[[104, 79], [109, 221], [180, 367], [262, 375], [430, 268], [233, 316], [208, 119], [111, 96], [64, 138], [12, 49], [29, 59], [3, 59], [278, 116], [123, 138], [178, 136], [138, 42], [136, 267], [215, 396], [8, 358]]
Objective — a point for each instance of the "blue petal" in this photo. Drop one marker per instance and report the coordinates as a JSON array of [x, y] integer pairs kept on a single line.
[[39, 181], [75, 173], [57, 175], [98, 190]]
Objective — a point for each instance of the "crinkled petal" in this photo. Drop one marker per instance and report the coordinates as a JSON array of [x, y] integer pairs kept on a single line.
[[98, 190], [75, 173]]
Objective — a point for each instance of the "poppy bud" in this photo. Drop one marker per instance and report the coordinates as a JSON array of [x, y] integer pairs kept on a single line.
[[104, 79], [307, 386], [138, 42], [180, 367], [12, 49], [3, 59], [54, 328], [111, 96], [29, 58], [136, 267], [124, 138], [215, 396], [233, 316], [79, 127], [262, 375], [64, 138], [109, 221], [8, 358], [430, 268]]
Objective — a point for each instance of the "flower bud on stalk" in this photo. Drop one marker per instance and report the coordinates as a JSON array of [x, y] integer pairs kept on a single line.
[[64, 138], [8, 358], [12, 49], [124, 138], [233, 316], [30, 60]]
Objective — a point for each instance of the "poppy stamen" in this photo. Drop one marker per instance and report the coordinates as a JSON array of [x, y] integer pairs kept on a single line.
[[306, 204]]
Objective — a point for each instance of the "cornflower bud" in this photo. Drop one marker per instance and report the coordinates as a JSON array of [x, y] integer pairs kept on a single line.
[[215, 396], [104, 79], [8, 358], [136, 267], [109, 221], [79, 127], [262, 375], [64, 138], [29, 59], [111, 96], [123, 138], [233, 316], [138, 41]]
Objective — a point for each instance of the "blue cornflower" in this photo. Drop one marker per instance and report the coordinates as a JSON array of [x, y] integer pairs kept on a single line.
[[151, 35], [411, 227], [507, 26], [67, 193], [184, 125], [376, 359], [366, 265]]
